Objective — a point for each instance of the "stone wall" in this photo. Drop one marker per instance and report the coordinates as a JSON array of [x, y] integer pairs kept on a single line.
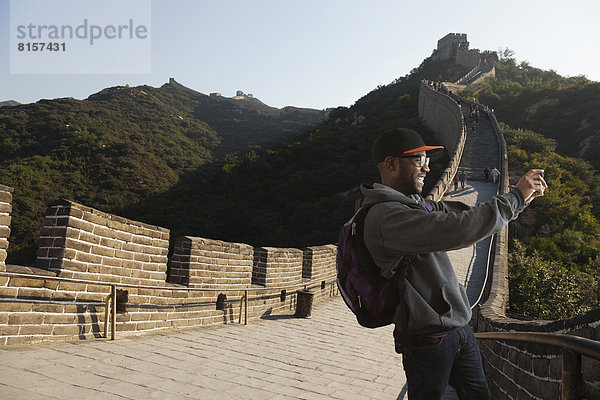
[[199, 262], [84, 251], [319, 262], [80, 242], [277, 266], [5, 210], [443, 115]]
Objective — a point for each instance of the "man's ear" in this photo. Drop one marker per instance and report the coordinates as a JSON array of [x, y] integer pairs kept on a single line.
[[390, 163]]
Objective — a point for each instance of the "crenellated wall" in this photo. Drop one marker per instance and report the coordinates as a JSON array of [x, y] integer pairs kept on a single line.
[[277, 267], [319, 261], [200, 262], [83, 251], [443, 115], [5, 210], [83, 243]]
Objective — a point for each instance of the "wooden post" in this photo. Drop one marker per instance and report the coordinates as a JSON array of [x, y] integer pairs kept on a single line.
[[113, 321]]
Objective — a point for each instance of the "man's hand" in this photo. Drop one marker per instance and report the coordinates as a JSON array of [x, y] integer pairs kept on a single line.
[[532, 184]]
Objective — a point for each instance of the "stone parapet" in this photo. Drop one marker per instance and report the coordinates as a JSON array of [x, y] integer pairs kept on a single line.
[[277, 266], [84, 251], [80, 242], [319, 262], [444, 116], [5, 219], [199, 262]]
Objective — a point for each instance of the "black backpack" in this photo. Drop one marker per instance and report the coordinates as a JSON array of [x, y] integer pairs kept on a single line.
[[371, 297]]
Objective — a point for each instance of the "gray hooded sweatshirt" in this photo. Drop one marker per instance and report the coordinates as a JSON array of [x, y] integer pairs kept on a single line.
[[398, 226]]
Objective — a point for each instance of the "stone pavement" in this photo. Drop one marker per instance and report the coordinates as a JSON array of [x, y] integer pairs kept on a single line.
[[326, 357], [470, 263]]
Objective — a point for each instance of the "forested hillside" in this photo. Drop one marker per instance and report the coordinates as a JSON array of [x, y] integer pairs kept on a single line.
[[300, 193], [554, 260], [565, 109], [120, 147]]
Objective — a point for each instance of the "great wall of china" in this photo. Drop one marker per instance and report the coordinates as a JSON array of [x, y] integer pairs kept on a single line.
[[84, 253]]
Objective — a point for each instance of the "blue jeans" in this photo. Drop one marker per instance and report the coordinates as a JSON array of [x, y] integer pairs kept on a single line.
[[431, 364]]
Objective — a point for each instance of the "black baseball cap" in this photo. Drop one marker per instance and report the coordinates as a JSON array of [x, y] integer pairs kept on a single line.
[[397, 142]]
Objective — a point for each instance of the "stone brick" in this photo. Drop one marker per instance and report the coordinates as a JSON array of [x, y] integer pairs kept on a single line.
[[111, 243], [35, 330], [4, 231], [5, 219], [87, 258], [81, 224], [89, 237], [79, 264], [107, 262], [103, 231], [126, 255], [90, 297], [5, 208], [103, 251], [96, 219], [69, 330], [16, 307], [78, 245], [27, 282], [26, 319], [9, 330], [5, 197], [141, 257]]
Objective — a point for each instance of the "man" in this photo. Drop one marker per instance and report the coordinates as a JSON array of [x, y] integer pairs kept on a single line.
[[495, 174], [438, 346], [463, 178]]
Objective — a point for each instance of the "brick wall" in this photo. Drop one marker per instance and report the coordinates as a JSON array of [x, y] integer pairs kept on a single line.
[[319, 261], [199, 262], [277, 266], [443, 115], [80, 242], [5, 210]]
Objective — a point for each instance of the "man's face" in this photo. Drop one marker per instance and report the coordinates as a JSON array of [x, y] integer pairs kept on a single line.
[[411, 174]]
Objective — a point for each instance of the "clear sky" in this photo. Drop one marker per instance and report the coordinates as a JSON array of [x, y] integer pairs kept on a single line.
[[321, 53]]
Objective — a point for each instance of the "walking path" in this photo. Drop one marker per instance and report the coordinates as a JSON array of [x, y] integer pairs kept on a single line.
[[326, 357], [470, 263]]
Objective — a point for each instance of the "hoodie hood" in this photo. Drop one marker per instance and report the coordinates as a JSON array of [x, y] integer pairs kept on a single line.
[[378, 193]]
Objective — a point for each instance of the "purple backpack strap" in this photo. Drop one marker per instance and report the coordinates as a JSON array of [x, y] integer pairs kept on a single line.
[[357, 204], [428, 206]]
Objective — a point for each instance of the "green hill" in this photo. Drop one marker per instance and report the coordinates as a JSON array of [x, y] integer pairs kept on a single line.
[[300, 193], [564, 109], [121, 146]]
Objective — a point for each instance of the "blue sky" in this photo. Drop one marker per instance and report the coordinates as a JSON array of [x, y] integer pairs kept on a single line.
[[321, 53]]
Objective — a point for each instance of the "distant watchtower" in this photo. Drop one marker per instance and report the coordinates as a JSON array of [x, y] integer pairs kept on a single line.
[[448, 46], [455, 47]]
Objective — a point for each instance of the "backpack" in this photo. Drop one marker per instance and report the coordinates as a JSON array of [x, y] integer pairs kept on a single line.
[[370, 296]]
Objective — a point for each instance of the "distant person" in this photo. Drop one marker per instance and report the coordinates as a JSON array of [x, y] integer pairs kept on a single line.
[[455, 182], [433, 333], [495, 174], [462, 176], [486, 173]]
